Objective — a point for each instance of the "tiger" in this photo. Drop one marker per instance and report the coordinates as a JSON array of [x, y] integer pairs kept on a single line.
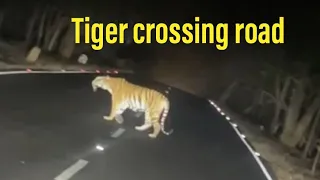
[[126, 95]]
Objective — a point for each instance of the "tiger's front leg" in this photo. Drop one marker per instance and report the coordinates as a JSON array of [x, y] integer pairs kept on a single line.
[[116, 116], [108, 118], [112, 114], [116, 111]]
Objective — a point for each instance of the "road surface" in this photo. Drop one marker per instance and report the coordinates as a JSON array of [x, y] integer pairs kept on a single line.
[[51, 123]]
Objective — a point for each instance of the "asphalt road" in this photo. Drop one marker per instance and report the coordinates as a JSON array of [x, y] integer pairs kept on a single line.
[[51, 121]]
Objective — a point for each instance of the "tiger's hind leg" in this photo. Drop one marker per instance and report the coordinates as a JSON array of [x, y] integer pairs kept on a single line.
[[155, 116], [147, 123]]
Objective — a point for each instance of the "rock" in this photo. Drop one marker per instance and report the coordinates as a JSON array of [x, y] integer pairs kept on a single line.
[[33, 54], [83, 59]]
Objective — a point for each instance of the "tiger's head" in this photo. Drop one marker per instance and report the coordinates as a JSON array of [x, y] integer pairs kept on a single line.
[[101, 82], [106, 83]]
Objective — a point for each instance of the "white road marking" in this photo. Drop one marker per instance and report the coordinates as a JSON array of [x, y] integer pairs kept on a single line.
[[45, 72], [118, 133], [62, 71], [72, 170], [119, 119], [242, 137], [138, 114]]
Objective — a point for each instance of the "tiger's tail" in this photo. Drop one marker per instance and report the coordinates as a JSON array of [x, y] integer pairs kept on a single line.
[[164, 117]]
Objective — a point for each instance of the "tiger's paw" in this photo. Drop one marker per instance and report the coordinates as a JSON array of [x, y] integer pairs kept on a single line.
[[153, 136], [138, 128], [143, 127], [107, 118]]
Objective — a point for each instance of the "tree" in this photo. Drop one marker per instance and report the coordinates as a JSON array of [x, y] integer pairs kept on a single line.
[[67, 45], [46, 26], [31, 25], [281, 90], [227, 93], [56, 22], [295, 100], [2, 14], [312, 137]]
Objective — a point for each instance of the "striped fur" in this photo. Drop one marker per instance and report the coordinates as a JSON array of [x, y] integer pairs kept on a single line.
[[126, 95]]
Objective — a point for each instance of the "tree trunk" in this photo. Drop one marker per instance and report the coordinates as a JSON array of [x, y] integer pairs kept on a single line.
[[293, 113], [2, 12], [280, 103], [259, 106], [31, 25], [277, 106], [315, 162], [305, 121], [285, 89], [312, 136], [55, 24], [275, 120], [257, 96], [227, 93], [41, 28], [49, 26], [62, 24], [67, 45]]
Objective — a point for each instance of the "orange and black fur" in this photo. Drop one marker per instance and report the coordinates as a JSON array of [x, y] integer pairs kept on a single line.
[[139, 99]]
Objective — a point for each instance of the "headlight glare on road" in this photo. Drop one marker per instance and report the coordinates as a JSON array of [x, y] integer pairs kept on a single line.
[[99, 148]]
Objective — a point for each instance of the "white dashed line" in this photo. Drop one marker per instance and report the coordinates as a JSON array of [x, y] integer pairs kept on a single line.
[[138, 114], [119, 119], [118, 133], [72, 170]]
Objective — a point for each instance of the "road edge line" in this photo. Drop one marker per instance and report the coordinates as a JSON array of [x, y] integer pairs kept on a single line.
[[242, 137], [62, 71]]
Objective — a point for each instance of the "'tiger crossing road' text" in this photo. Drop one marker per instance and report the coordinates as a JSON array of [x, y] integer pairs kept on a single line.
[[198, 32]]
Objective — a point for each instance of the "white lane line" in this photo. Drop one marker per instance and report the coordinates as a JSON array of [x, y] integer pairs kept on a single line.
[[72, 170], [118, 133], [119, 119], [138, 114]]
